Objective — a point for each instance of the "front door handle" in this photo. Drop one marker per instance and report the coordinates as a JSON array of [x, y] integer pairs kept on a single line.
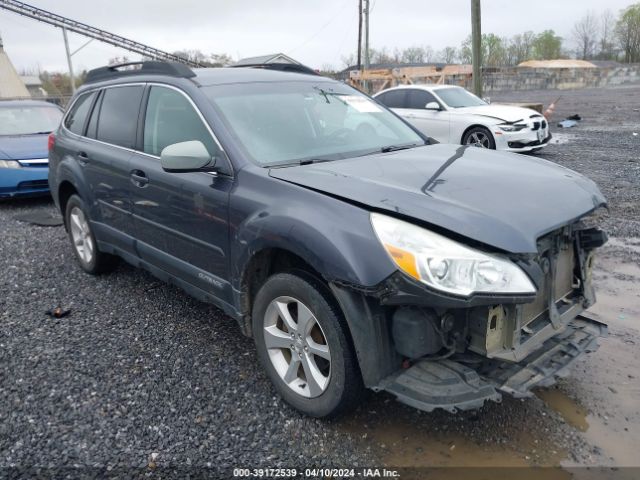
[[139, 178]]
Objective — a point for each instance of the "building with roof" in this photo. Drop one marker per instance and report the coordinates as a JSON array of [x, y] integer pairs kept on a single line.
[[265, 59], [34, 85], [10, 84]]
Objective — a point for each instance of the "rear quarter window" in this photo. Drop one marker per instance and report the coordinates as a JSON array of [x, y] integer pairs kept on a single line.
[[118, 119], [77, 117], [393, 99]]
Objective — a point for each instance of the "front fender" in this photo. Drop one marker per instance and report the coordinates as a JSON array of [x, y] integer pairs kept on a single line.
[[334, 237]]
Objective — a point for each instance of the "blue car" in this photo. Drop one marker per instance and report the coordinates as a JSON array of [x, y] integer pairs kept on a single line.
[[24, 128]]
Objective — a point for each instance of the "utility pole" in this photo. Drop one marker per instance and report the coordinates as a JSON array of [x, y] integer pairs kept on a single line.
[[359, 35], [66, 46], [366, 42], [476, 47]]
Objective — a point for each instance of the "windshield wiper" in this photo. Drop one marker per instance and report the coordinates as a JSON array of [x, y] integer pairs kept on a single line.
[[309, 161], [393, 148]]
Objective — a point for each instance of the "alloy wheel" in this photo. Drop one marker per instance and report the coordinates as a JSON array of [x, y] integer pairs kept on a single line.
[[297, 346], [81, 235], [479, 139]]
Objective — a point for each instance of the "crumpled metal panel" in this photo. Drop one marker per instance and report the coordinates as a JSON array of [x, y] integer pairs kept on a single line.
[[454, 386]]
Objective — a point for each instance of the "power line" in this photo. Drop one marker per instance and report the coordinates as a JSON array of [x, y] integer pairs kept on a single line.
[[325, 25]]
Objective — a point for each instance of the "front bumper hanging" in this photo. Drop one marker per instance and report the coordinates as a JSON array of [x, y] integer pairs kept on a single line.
[[468, 383]]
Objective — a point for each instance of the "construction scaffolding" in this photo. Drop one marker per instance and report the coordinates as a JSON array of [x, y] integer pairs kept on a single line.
[[378, 79]]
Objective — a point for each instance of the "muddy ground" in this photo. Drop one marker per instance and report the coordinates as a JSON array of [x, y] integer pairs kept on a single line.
[[140, 374]]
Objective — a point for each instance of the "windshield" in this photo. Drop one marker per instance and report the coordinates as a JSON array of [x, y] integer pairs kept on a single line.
[[290, 122], [458, 97], [28, 120]]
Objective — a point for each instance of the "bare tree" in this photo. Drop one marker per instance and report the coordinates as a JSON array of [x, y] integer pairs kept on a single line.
[[607, 36], [520, 48], [585, 34], [448, 55]]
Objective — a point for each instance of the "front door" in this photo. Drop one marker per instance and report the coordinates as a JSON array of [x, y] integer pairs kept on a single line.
[[434, 123], [181, 219]]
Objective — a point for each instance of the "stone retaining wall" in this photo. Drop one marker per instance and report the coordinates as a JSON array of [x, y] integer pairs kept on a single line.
[[497, 79]]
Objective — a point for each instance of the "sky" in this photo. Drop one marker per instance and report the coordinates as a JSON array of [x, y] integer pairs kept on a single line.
[[317, 33]]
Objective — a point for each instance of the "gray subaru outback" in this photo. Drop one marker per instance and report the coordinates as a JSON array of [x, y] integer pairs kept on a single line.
[[357, 252]]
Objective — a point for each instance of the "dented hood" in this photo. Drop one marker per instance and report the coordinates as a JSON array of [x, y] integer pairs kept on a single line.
[[500, 199]]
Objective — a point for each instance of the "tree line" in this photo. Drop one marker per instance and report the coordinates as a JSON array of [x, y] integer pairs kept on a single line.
[[602, 36]]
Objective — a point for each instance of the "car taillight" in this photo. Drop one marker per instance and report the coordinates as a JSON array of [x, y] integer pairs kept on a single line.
[[52, 141]]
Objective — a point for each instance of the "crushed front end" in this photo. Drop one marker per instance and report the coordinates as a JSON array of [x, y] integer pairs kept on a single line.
[[456, 353]]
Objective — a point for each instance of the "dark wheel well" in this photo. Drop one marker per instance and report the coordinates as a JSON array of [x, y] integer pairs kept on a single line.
[[464, 134], [65, 190], [261, 266]]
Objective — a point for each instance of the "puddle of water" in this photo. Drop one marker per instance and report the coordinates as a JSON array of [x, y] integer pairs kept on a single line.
[[404, 443], [573, 414]]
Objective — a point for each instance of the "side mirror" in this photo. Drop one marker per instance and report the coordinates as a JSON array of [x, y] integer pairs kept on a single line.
[[432, 106], [191, 156]]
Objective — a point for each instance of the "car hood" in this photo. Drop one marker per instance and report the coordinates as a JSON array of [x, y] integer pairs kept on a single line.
[[23, 147], [505, 113], [501, 199]]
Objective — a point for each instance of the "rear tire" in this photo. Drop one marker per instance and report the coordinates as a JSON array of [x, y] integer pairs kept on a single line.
[[479, 137], [83, 241], [303, 345]]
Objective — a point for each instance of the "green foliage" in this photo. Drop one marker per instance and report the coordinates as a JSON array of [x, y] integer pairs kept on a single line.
[[547, 46], [628, 33]]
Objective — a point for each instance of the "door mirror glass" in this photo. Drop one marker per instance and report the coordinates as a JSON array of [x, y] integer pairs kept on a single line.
[[432, 106], [191, 156]]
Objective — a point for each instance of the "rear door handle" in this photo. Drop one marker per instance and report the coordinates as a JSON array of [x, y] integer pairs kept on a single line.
[[139, 178], [83, 158]]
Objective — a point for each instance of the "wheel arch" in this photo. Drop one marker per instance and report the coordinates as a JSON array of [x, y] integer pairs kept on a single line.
[[476, 125], [65, 190]]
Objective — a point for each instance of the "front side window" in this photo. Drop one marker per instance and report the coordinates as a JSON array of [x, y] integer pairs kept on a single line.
[[171, 118], [119, 115], [288, 122], [456, 97]]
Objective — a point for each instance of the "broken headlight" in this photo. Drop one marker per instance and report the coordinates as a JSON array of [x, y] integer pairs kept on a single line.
[[446, 265]]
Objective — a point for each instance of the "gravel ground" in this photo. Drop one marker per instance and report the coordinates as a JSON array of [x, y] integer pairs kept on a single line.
[[140, 376]]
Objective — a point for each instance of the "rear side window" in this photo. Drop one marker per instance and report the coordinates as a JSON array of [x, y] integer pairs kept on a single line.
[[171, 118], [119, 115], [77, 116], [393, 99], [418, 99]]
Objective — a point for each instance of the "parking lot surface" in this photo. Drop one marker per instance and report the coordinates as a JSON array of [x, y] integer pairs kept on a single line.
[[141, 376]]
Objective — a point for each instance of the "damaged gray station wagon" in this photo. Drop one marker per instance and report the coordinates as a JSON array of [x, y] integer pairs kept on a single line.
[[355, 251]]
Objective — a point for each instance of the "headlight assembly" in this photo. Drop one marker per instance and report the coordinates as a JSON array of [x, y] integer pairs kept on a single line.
[[446, 265], [9, 164], [512, 128]]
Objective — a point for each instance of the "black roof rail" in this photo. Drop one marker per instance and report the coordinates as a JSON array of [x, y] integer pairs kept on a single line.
[[172, 69], [281, 67]]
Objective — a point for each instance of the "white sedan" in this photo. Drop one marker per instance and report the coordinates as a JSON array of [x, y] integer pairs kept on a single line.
[[451, 114]]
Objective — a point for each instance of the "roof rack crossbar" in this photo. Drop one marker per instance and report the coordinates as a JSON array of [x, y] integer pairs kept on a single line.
[[172, 69]]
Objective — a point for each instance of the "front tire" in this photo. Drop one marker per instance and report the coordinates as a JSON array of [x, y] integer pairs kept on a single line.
[[303, 345], [83, 241], [479, 137]]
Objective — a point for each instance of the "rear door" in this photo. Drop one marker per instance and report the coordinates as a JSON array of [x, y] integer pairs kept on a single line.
[[181, 219], [434, 123], [113, 129]]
